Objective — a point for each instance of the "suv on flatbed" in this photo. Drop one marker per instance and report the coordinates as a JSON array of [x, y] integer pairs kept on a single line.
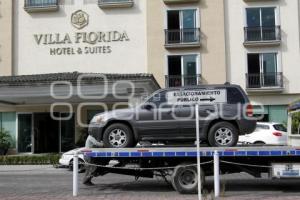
[[168, 116]]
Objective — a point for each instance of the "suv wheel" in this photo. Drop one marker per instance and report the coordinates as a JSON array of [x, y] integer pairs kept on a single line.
[[223, 134], [118, 136]]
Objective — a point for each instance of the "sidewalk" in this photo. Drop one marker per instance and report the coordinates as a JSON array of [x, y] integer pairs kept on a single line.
[[33, 169]]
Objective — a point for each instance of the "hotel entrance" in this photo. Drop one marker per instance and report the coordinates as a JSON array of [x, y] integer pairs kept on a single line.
[[39, 133], [26, 111]]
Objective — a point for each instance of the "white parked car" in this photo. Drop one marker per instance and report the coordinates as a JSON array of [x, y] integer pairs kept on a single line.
[[67, 160], [266, 133]]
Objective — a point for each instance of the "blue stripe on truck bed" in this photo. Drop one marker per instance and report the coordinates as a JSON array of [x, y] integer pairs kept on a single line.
[[191, 153]]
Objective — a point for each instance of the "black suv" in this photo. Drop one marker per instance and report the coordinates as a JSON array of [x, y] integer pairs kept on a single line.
[[168, 116]]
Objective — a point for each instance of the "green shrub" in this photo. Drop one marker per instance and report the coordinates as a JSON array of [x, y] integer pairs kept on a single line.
[[5, 141], [296, 123], [44, 159]]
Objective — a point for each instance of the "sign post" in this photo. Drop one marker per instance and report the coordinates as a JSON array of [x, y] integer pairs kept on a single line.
[[75, 174], [195, 98], [198, 152], [216, 173]]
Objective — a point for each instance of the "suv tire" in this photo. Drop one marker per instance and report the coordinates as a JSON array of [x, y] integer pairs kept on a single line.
[[118, 136], [223, 134]]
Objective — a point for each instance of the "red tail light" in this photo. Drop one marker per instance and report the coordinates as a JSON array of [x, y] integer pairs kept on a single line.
[[277, 134], [249, 110], [85, 150]]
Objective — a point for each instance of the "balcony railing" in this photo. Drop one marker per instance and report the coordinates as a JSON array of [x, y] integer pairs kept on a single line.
[[182, 80], [41, 5], [180, 1], [182, 37], [115, 3], [257, 0], [271, 81], [268, 35]]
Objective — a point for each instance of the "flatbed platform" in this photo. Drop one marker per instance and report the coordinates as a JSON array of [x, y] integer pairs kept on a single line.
[[160, 151], [180, 163]]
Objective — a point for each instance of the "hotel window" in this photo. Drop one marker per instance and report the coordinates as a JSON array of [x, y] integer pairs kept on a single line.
[[183, 70], [40, 133], [182, 27], [40, 5], [24, 133], [115, 3], [8, 123], [261, 25], [263, 71]]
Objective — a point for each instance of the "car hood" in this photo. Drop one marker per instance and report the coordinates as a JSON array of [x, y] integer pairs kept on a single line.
[[125, 113], [72, 152]]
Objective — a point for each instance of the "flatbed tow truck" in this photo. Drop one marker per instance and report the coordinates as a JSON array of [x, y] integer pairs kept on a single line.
[[180, 163]]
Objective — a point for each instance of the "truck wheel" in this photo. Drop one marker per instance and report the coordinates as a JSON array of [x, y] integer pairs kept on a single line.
[[185, 179], [81, 167], [118, 136], [223, 134]]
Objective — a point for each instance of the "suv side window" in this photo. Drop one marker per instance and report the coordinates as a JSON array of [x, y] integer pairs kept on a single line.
[[234, 96], [160, 99]]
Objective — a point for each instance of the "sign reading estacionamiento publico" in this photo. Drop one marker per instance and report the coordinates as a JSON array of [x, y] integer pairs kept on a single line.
[[197, 96]]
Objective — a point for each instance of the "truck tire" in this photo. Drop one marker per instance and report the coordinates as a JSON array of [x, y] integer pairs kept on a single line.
[[223, 134], [185, 179], [81, 166], [118, 136]]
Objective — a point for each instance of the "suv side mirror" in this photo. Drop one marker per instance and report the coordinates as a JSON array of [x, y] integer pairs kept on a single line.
[[148, 106]]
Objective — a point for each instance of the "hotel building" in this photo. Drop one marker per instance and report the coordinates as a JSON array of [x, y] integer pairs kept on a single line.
[[262, 52], [151, 43]]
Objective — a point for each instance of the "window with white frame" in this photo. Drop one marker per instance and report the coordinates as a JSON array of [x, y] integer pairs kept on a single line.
[[40, 3], [182, 26], [263, 70], [183, 70], [261, 24]]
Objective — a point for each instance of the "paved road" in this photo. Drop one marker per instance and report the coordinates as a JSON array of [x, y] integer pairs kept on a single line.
[[45, 182]]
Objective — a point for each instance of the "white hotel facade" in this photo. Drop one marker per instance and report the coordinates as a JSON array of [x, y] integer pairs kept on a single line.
[[152, 43], [263, 52]]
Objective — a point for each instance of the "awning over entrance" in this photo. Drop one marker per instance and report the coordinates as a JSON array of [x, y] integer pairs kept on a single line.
[[26, 102], [74, 88]]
